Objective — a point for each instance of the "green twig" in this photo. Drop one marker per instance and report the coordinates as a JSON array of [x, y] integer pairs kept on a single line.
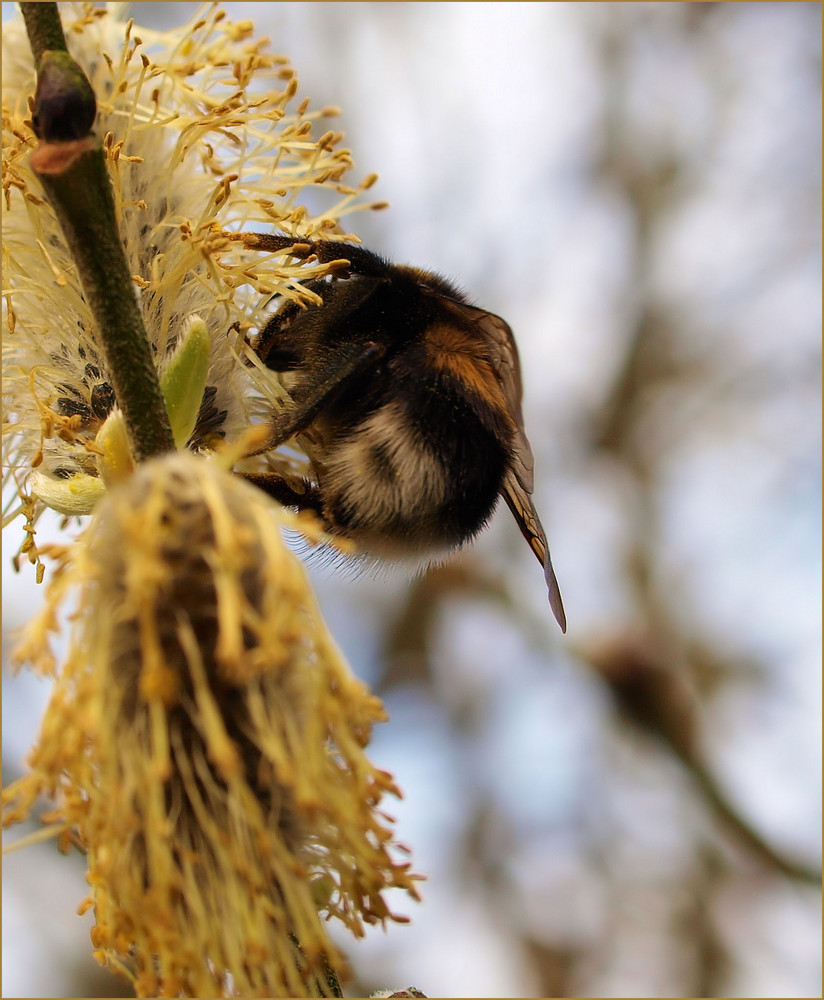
[[71, 166], [44, 28]]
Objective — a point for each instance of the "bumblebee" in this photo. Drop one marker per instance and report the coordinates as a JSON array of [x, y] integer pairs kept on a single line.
[[406, 400]]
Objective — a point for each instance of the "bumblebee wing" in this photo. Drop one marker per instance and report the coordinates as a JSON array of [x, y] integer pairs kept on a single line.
[[519, 482], [503, 354], [520, 503]]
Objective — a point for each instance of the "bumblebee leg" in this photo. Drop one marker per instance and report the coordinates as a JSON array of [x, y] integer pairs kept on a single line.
[[361, 260], [320, 389], [284, 492]]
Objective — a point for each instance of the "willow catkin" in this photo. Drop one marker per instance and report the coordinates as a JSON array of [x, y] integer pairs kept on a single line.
[[216, 777]]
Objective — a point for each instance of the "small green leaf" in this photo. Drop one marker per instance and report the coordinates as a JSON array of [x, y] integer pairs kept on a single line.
[[184, 381]]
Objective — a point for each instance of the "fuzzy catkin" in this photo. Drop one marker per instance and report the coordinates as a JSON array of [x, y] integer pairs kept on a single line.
[[205, 746]]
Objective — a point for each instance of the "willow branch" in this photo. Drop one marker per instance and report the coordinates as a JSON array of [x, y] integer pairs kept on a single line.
[[71, 166], [43, 28]]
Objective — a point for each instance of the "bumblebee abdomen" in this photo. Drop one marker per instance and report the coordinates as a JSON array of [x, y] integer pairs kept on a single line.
[[399, 487]]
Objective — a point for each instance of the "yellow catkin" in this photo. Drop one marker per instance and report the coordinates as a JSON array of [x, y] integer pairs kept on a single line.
[[203, 133], [204, 744]]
